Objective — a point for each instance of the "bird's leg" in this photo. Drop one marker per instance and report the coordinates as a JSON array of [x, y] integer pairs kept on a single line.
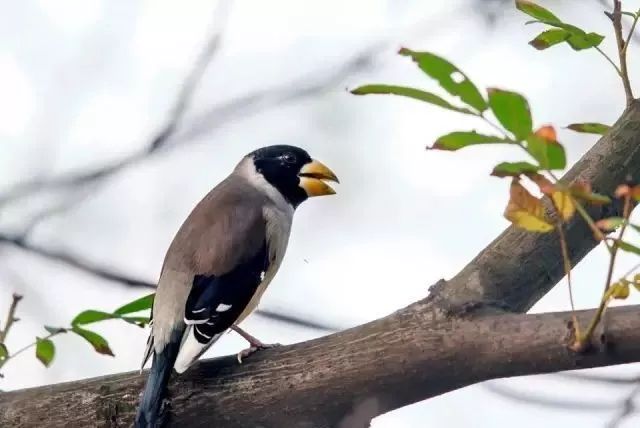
[[255, 344]]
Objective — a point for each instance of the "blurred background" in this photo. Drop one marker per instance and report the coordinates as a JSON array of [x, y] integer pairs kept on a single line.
[[117, 116]]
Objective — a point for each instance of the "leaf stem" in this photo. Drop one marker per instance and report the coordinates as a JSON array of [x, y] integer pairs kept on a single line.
[[587, 218], [567, 271], [610, 61], [494, 126], [26, 347]]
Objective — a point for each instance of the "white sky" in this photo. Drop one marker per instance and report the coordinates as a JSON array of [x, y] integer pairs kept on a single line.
[[88, 81]]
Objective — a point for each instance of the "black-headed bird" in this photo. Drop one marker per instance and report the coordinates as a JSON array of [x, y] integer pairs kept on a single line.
[[222, 259]]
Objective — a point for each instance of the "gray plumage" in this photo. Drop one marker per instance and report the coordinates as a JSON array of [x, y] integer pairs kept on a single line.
[[226, 228], [222, 259]]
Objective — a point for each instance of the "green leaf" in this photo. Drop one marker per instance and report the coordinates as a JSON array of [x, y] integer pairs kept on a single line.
[[139, 321], [45, 351], [449, 76], [55, 330], [4, 352], [548, 38], [579, 41], [137, 305], [91, 316], [589, 128], [549, 154], [404, 91], [512, 110], [630, 248], [576, 37], [513, 169], [536, 11], [98, 342], [458, 140]]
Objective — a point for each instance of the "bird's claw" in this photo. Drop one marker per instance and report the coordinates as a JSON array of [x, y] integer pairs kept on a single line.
[[253, 349]]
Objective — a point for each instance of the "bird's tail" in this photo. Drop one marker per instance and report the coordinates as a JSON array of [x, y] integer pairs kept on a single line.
[[151, 402]]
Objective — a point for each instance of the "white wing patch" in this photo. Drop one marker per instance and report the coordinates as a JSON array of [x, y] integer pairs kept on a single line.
[[223, 307]]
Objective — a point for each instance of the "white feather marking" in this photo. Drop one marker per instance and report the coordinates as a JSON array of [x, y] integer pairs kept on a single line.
[[191, 349], [199, 310], [196, 322], [223, 307], [204, 335]]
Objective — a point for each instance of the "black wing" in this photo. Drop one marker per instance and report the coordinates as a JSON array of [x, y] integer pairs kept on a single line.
[[215, 302]]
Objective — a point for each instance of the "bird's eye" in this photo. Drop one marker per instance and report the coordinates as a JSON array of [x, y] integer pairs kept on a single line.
[[289, 157]]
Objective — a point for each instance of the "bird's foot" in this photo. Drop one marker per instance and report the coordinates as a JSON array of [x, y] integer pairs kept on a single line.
[[255, 347]]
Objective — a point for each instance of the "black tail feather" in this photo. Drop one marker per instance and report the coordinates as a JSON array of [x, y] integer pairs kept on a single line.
[[154, 392]]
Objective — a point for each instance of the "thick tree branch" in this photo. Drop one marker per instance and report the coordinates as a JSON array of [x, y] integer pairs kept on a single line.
[[349, 376]]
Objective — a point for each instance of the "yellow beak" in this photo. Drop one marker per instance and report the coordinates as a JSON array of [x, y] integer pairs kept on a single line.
[[312, 176]]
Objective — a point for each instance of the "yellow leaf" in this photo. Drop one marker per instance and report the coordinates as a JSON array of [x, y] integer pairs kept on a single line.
[[619, 290], [563, 203], [543, 183], [525, 211]]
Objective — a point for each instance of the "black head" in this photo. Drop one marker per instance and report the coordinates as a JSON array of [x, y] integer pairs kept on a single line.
[[293, 172]]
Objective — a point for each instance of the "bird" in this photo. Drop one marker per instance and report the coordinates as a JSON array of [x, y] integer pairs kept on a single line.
[[221, 261]]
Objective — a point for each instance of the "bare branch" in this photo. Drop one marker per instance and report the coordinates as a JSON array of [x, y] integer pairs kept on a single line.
[[534, 399], [73, 261], [85, 266], [616, 16], [161, 138], [628, 407], [11, 317]]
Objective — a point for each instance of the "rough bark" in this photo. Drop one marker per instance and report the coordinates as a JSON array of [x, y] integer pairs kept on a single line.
[[340, 380], [421, 351]]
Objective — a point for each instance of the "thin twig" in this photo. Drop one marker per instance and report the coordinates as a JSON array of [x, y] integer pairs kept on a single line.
[[74, 261], [11, 317], [628, 408], [543, 399], [631, 31], [622, 53], [626, 213], [583, 341]]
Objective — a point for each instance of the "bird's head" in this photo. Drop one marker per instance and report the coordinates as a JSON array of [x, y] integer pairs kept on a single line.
[[293, 172]]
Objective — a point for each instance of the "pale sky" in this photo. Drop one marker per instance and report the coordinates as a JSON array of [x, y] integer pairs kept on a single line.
[[85, 82]]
